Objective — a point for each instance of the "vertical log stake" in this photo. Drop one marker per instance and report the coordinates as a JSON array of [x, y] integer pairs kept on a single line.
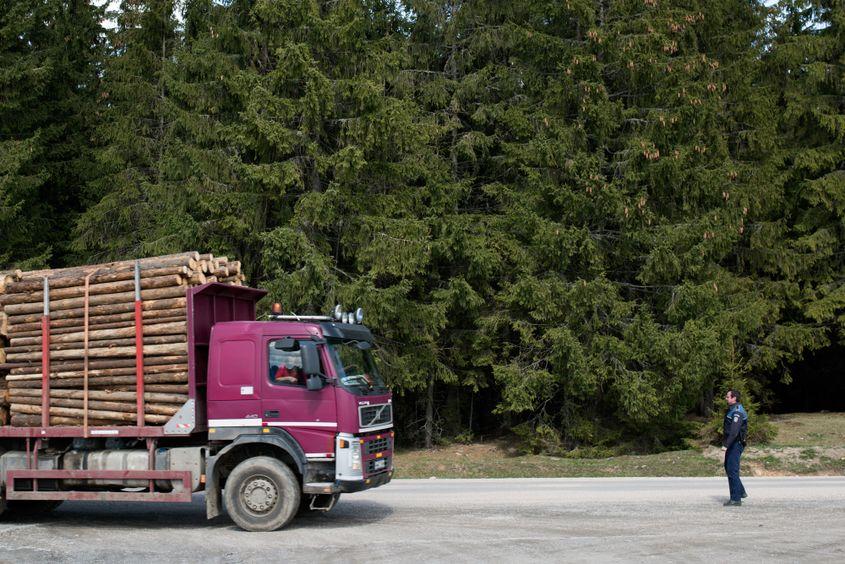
[[45, 357], [139, 346], [85, 361]]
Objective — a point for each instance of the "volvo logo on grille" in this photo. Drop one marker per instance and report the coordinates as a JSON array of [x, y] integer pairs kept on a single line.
[[374, 415]]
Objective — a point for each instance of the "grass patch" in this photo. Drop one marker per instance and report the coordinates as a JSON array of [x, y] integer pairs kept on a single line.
[[809, 429], [808, 453], [805, 444], [493, 460]]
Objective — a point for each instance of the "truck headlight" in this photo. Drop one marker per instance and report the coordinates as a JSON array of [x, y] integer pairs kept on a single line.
[[355, 455]]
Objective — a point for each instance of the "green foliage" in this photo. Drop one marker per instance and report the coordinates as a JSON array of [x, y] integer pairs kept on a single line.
[[49, 52], [538, 439], [573, 220], [806, 61], [137, 204]]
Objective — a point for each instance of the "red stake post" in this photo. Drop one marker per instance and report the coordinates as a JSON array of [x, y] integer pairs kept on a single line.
[[139, 347], [85, 359], [45, 357]]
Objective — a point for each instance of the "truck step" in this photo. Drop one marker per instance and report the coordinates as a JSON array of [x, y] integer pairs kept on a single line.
[[323, 502], [319, 488]]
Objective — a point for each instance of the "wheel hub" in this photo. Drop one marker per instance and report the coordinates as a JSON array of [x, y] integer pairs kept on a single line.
[[260, 494]]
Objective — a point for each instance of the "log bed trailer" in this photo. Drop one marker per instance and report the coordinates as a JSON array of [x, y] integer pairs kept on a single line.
[[267, 446]]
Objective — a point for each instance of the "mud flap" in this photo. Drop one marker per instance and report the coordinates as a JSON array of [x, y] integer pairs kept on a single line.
[[212, 491]]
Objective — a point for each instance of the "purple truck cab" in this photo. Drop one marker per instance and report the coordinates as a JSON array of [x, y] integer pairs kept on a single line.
[[306, 387], [351, 404], [283, 417]]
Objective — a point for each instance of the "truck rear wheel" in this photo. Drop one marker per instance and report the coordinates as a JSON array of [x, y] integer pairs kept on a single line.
[[261, 494]]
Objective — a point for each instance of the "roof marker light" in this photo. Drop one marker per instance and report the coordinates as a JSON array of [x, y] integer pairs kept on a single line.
[[359, 315]]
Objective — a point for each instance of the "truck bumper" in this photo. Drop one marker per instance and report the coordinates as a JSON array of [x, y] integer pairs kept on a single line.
[[348, 486]]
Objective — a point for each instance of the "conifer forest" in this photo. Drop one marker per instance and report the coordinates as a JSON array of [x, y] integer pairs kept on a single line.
[[573, 221]]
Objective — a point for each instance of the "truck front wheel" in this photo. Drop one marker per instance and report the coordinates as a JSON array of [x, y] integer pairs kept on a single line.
[[261, 494]]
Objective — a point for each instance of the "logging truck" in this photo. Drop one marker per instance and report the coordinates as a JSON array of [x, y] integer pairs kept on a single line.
[[281, 416]]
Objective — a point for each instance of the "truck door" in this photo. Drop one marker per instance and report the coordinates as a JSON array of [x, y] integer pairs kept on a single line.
[[309, 415], [233, 392]]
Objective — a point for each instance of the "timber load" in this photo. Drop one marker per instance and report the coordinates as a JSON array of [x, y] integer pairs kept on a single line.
[[104, 333]]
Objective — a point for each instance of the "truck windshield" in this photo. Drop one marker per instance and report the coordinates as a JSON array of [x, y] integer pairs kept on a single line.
[[356, 368]]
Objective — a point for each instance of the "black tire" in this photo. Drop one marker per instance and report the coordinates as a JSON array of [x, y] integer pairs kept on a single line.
[[262, 494]]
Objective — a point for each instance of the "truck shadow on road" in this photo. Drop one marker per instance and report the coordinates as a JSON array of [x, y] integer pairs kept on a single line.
[[115, 516], [351, 513]]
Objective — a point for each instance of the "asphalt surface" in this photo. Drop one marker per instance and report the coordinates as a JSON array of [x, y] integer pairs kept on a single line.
[[573, 520]]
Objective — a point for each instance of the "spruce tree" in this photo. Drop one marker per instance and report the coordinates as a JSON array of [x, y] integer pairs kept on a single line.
[[807, 67], [620, 150], [225, 165], [330, 169], [49, 53], [137, 206]]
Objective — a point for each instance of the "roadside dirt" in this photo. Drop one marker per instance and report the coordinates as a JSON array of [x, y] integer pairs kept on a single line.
[[784, 461]]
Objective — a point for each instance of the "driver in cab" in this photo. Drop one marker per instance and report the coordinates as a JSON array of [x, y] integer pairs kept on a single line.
[[289, 373]]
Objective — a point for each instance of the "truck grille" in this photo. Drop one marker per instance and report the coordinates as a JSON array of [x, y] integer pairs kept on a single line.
[[375, 415], [378, 445], [382, 466]]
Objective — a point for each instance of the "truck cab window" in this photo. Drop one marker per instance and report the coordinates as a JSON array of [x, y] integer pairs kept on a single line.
[[356, 368], [285, 364]]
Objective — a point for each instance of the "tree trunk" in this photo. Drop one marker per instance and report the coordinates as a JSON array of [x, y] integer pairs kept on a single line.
[[99, 344], [25, 420], [167, 349], [150, 408], [105, 395], [189, 260], [76, 328], [35, 368], [104, 381], [94, 414], [429, 414], [108, 309], [93, 301], [180, 327], [59, 281], [100, 372], [93, 290]]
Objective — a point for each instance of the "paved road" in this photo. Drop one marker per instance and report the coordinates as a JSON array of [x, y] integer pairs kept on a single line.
[[636, 519]]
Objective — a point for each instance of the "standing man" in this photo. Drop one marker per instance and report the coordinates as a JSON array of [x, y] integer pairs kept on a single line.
[[735, 433]]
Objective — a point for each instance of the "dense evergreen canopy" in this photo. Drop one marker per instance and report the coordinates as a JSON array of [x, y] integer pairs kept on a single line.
[[577, 220]]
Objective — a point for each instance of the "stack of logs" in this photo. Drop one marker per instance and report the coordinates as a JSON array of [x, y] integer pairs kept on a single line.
[[92, 339]]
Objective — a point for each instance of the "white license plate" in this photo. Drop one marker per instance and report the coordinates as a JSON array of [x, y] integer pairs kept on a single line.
[[379, 464]]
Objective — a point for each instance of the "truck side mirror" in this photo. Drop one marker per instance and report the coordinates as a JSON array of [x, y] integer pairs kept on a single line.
[[310, 358], [314, 382]]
